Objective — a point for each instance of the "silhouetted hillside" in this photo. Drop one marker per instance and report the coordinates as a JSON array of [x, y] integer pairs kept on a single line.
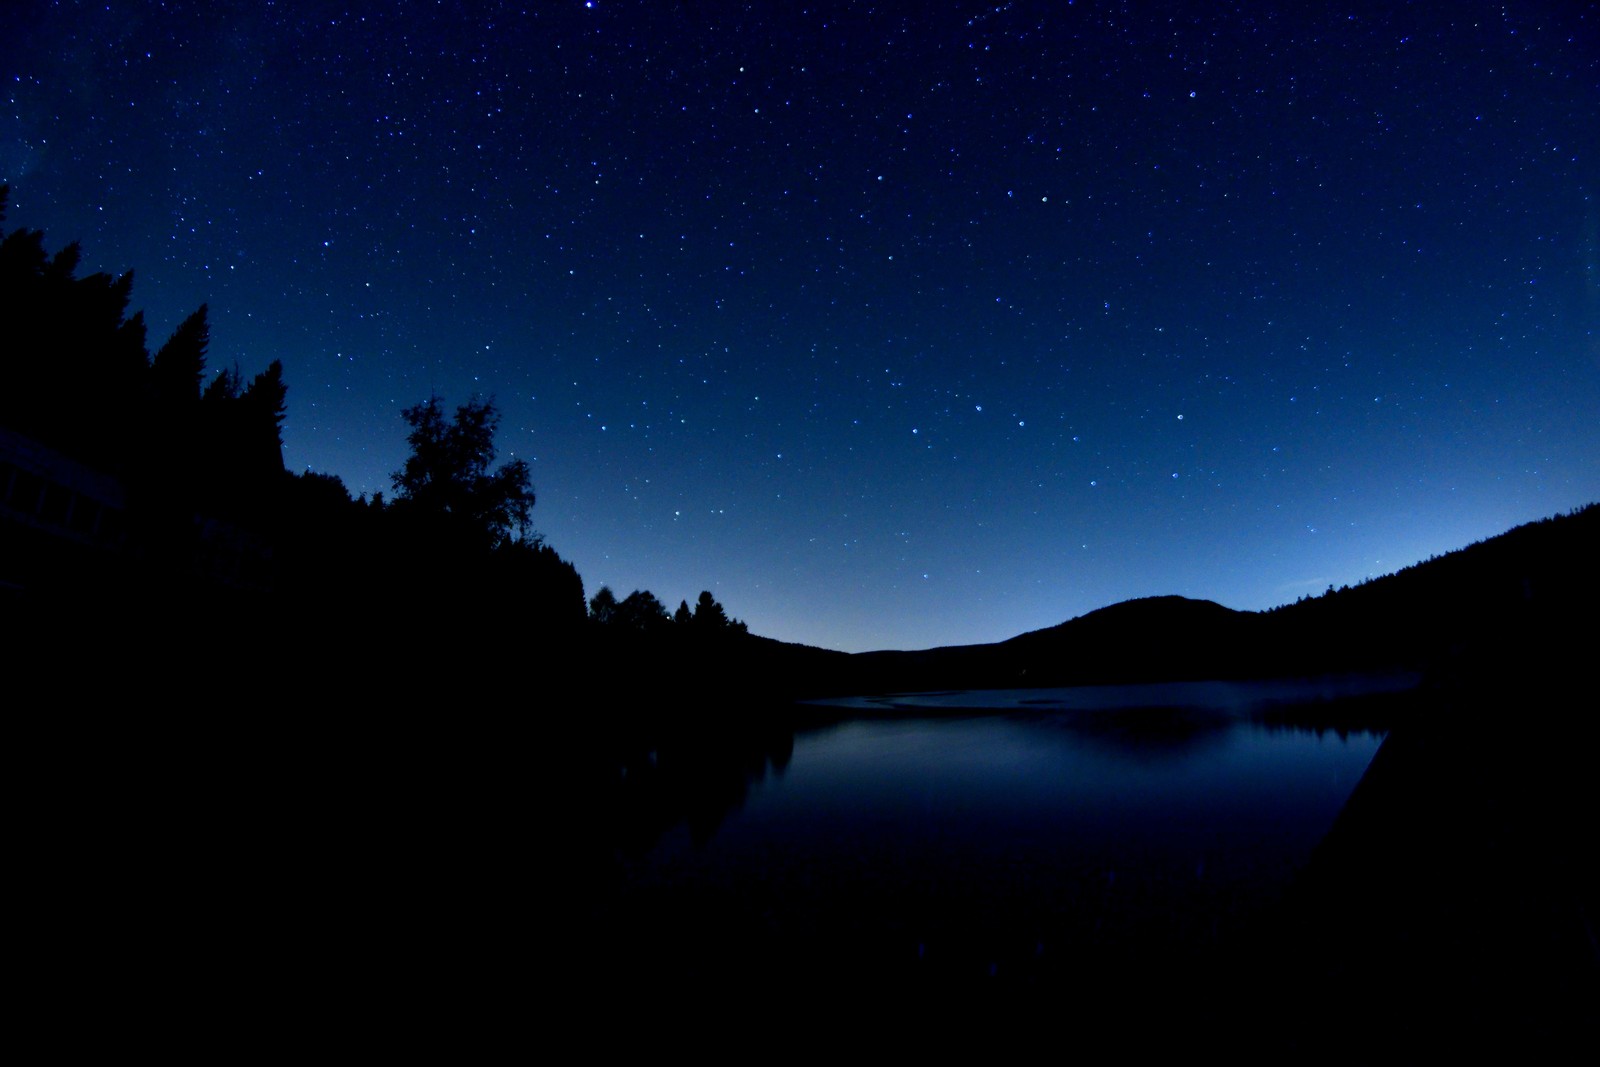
[[1543, 575], [1145, 640], [1489, 596]]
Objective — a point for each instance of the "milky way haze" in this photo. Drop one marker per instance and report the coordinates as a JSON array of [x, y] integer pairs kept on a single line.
[[891, 325]]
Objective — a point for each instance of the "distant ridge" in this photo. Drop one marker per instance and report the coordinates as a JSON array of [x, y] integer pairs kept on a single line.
[[1520, 593], [1161, 638]]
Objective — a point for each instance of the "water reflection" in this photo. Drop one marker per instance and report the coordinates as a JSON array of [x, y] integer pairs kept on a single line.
[[1033, 843], [694, 780], [1145, 734]]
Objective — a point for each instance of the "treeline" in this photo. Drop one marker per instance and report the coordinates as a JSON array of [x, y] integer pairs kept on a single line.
[[135, 482], [80, 379], [144, 503], [641, 612], [131, 453], [1520, 595]]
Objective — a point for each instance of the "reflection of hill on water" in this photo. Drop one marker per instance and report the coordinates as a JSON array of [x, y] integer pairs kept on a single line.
[[1143, 733], [662, 772]]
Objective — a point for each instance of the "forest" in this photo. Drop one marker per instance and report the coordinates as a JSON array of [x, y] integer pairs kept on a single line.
[[147, 507]]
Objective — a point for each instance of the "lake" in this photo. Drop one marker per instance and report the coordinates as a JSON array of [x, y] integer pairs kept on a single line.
[[1055, 834]]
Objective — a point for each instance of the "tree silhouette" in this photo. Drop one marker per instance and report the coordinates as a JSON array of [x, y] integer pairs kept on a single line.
[[264, 404], [447, 478], [186, 468], [224, 387], [640, 610], [237, 442], [708, 614], [603, 606], [181, 362]]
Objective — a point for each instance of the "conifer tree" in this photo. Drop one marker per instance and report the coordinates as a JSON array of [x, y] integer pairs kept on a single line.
[[181, 363], [263, 405], [708, 614]]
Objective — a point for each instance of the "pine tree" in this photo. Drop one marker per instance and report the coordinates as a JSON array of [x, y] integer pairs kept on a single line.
[[181, 363], [263, 405]]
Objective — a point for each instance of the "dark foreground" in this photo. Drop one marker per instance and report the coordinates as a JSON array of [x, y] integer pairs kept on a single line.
[[237, 871], [1454, 901]]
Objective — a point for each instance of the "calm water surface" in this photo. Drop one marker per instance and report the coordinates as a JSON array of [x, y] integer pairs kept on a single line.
[[1011, 843]]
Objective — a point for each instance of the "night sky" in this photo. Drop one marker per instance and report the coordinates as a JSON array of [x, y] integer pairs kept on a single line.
[[891, 325]]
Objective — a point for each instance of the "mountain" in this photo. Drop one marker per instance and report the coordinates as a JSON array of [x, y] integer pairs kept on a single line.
[[1525, 593], [1150, 639]]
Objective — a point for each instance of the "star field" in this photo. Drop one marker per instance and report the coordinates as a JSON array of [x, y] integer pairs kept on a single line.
[[892, 325]]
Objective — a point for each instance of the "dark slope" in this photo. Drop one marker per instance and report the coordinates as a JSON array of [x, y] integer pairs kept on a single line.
[[1483, 597], [1152, 639], [1452, 905]]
